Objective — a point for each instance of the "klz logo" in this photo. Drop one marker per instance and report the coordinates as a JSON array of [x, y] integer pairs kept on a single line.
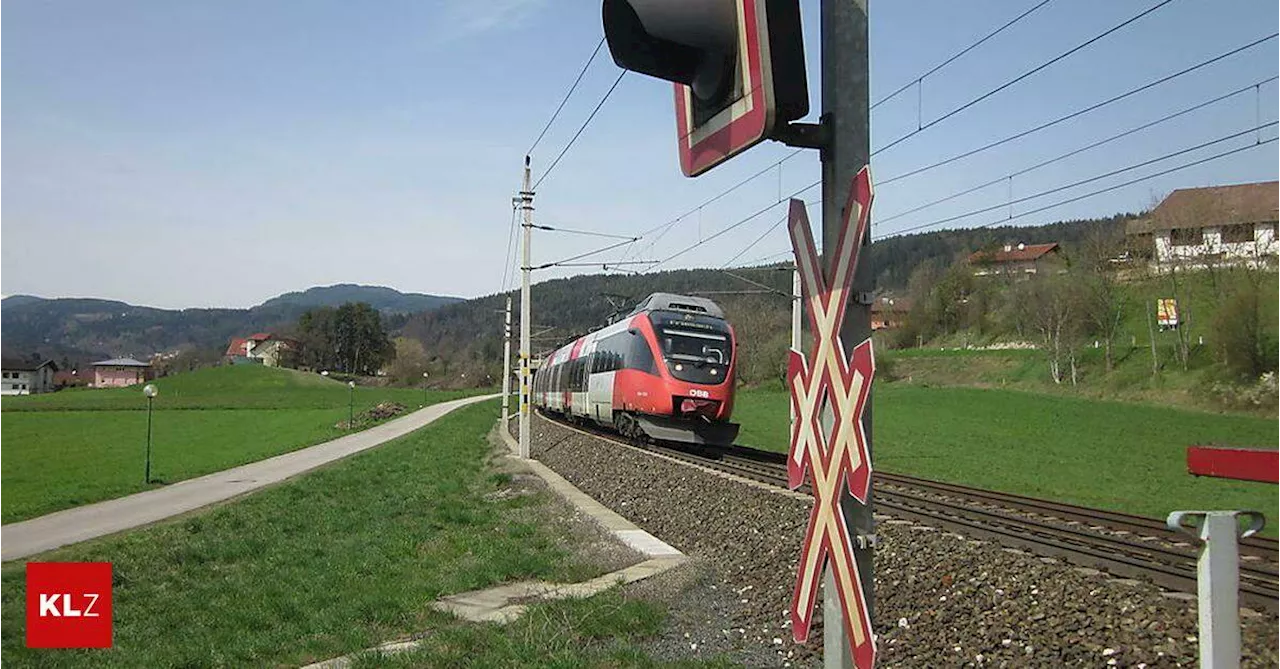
[[68, 604]]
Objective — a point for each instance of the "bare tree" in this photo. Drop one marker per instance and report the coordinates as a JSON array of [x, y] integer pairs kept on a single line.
[[1103, 304], [1050, 306]]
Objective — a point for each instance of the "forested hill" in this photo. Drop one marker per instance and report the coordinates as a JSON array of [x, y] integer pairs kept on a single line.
[[467, 337], [896, 257], [82, 329], [385, 300]]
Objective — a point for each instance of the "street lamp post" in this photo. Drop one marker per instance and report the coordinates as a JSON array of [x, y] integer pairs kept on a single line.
[[150, 391], [424, 389], [351, 407]]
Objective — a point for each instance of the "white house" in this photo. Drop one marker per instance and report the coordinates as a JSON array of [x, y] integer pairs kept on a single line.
[[26, 378], [1218, 224]]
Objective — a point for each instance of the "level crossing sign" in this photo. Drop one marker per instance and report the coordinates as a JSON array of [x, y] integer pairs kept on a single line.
[[837, 458]]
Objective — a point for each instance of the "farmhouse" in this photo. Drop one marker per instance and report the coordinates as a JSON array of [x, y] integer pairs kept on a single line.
[[1016, 259], [1217, 224], [262, 348], [120, 372], [26, 378], [888, 313]]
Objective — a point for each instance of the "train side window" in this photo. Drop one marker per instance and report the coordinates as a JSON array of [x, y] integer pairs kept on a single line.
[[639, 356]]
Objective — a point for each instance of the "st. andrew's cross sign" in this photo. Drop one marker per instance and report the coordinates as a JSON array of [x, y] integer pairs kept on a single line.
[[839, 457]]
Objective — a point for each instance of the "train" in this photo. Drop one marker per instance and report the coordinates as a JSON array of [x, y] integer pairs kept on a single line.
[[664, 372]]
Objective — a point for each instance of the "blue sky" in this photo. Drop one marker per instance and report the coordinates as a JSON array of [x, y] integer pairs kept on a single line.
[[217, 154]]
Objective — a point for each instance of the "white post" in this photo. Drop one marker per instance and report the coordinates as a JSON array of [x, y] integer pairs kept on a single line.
[[1218, 580], [526, 205], [506, 365], [797, 313]]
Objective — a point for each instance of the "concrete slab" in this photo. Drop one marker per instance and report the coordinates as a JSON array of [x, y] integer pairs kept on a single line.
[[62, 528]]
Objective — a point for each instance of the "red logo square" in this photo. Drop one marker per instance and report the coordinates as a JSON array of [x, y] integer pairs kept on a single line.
[[68, 605]]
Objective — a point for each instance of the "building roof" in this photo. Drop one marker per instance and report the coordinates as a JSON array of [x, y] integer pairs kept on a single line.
[[21, 365], [260, 336], [236, 347], [891, 305], [1212, 206], [121, 362], [1014, 253]]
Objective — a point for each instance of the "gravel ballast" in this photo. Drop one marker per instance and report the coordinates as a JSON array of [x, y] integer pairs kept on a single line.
[[941, 599]]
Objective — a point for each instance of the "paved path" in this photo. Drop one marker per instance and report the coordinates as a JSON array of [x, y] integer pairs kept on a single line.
[[19, 540]]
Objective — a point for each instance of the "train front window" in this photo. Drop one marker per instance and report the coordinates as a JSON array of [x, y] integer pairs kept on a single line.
[[700, 356]]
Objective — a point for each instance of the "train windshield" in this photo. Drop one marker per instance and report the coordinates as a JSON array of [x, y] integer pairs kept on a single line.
[[696, 349]]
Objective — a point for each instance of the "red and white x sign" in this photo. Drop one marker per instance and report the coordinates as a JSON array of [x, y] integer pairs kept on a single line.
[[839, 458]]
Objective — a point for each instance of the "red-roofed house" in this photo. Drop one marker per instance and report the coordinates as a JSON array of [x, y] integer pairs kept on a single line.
[[1218, 223], [1016, 259], [262, 348]]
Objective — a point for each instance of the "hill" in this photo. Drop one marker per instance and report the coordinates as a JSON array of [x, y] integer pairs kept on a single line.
[[386, 300], [467, 337], [81, 329]]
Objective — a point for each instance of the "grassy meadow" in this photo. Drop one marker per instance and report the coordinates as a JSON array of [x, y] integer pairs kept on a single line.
[[75, 447], [342, 559], [1112, 455]]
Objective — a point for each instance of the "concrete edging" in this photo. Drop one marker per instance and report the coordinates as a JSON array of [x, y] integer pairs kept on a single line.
[[499, 604]]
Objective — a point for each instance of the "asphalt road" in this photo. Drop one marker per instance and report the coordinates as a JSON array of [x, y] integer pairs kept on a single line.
[[62, 528]]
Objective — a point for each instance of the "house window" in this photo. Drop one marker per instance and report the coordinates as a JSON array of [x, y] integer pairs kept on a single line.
[[1186, 236], [1237, 234]]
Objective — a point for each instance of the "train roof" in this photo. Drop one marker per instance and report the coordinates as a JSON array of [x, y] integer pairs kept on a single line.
[[682, 303]]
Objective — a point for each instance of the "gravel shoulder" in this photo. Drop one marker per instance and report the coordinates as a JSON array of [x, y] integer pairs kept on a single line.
[[941, 599]]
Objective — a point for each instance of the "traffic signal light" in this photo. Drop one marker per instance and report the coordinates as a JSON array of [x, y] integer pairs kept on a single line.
[[737, 66]]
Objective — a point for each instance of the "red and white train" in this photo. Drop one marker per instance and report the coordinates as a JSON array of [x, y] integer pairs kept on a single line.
[[665, 371]]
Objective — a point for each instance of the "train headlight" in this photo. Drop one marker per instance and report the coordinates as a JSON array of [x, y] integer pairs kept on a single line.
[[679, 367], [714, 371]]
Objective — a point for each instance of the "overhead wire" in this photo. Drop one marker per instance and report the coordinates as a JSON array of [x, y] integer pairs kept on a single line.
[[507, 260], [1081, 182], [1022, 76], [955, 57], [1079, 112], [1078, 151], [581, 128], [666, 227], [565, 99], [764, 234], [732, 226]]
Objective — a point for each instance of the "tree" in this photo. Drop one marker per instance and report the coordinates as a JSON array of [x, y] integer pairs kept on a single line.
[[1050, 305], [349, 339], [1103, 304]]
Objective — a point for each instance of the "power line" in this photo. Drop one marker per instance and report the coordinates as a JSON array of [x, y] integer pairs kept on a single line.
[[732, 226], [962, 52], [1096, 178], [1080, 112], [1020, 77], [763, 235], [1080, 150], [588, 233], [583, 127], [585, 255], [666, 227], [572, 88], [507, 260]]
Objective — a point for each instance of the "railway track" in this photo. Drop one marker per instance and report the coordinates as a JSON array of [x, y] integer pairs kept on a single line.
[[1121, 544]]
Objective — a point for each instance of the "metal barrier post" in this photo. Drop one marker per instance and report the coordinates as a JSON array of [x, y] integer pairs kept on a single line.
[[1218, 579]]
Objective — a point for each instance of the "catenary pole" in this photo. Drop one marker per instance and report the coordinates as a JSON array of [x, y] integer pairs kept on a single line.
[[846, 110], [506, 365], [526, 206]]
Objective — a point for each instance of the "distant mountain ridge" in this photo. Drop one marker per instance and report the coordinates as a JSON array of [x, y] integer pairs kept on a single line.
[[386, 300], [84, 328]]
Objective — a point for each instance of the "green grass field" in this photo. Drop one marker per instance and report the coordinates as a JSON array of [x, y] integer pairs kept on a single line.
[[76, 447], [1112, 455], [339, 560]]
